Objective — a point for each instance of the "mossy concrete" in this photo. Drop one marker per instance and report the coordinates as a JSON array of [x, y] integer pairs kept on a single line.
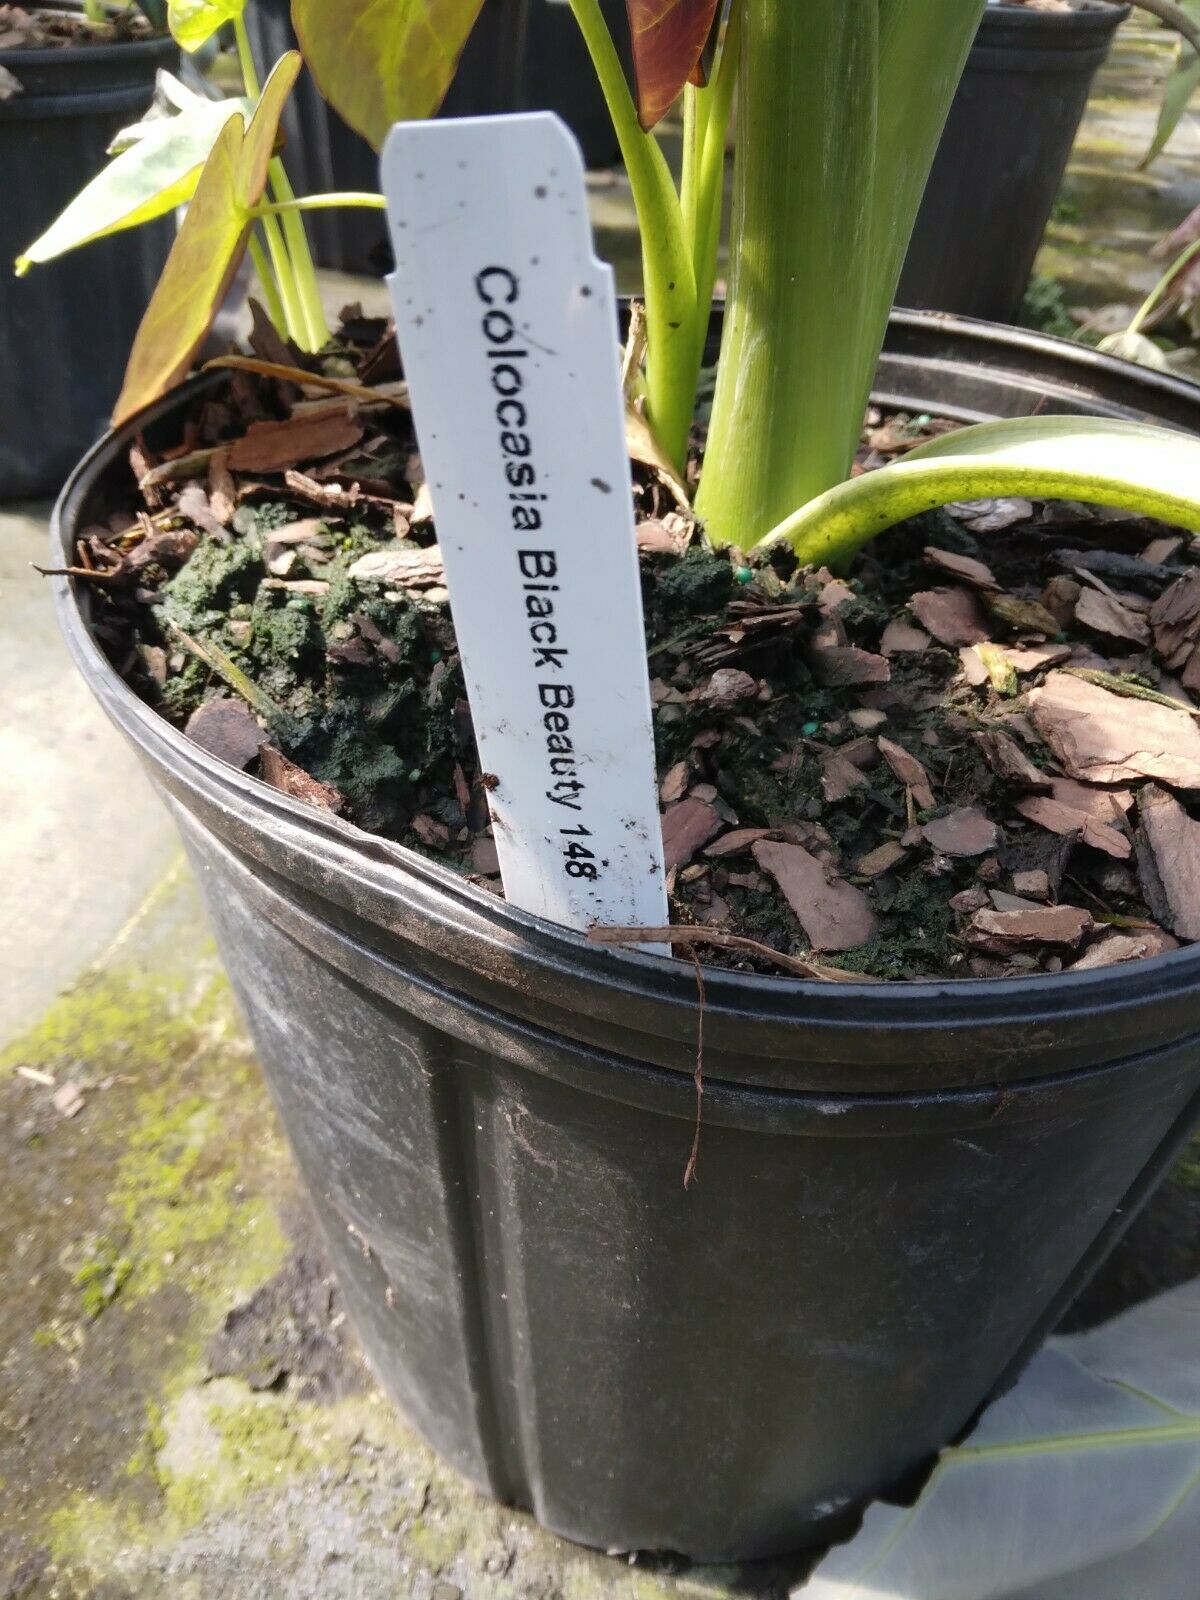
[[130, 1230]]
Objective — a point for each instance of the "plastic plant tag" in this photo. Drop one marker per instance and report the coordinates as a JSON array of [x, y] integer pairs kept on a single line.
[[508, 330]]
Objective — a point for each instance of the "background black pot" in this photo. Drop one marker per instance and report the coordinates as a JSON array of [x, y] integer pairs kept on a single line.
[[66, 329], [900, 1190], [522, 55], [1002, 157]]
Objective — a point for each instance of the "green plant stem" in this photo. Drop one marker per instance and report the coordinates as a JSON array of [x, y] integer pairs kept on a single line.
[[834, 144], [668, 275], [318, 202], [292, 323], [245, 54], [710, 184], [695, 116], [270, 288], [1150, 304], [304, 271]]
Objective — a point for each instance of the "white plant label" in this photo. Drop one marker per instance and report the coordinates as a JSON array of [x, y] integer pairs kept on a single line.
[[507, 325]]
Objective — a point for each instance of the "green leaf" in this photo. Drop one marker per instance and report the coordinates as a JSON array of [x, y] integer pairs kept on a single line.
[[1181, 85], [1094, 1454], [209, 248], [193, 22], [383, 61], [151, 177], [1154, 472]]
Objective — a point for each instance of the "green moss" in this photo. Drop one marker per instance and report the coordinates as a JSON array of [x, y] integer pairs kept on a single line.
[[102, 1276]]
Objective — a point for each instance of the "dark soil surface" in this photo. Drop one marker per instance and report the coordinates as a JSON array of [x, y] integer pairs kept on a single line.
[[31, 28], [975, 754]]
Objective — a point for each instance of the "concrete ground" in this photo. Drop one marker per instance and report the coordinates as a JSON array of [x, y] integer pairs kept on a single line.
[[147, 1447]]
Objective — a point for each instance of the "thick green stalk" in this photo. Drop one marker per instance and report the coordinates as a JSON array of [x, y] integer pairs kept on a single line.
[[668, 277], [710, 181], [839, 113]]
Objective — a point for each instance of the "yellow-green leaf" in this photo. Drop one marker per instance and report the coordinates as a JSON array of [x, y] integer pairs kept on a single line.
[[210, 245], [383, 61], [148, 179], [192, 22], [1154, 472]]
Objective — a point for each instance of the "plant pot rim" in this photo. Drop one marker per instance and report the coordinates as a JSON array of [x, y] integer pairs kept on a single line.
[[44, 56], [390, 893], [1097, 14]]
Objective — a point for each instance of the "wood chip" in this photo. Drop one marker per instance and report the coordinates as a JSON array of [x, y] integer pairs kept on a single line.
[[1060, 597], [408, 566], [275, 446], [966, 568], [866, 719], [222, 491], [674, 785], [283, 774], [952, 616], [845, 666], [433, 834], [687, 827], [485, 859], [302, 532], [1106, 738], [1009, 762], [1104, 805], [227, 729], [1071, 823], [1064, 926], [737, 842], [1103, 614], [1124, 944], [1022, 616], [1162, 551], [882, 859], [1033, 885], [963, 832], [909, 771], [901, 638], [1168, 846], [840, 778], [1033, 657], [727, 687], [1175, 620], [834, 914]]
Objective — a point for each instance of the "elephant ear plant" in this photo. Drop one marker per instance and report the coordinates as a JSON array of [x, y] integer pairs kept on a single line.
[[840, 108]]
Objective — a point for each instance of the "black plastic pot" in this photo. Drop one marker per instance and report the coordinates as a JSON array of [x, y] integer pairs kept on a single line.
[[1002, 158], [900, 1189], [522, 55], [66, 328]]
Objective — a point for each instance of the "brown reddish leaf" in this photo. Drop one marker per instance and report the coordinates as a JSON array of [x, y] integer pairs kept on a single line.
[[1007, 930], [275, 446], [687, 827], [737, 842], [1071, 823], [1168, 846], [964, 832], [727, 687], [284, 775], [837, 666], [834, 914], [901, 638], [1125, 944], [1008, 761], [909, 771], [965, 568], [226, 728], [1107, 738], [668, 39], [952, 616], [1104, 614], [839, 778]]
